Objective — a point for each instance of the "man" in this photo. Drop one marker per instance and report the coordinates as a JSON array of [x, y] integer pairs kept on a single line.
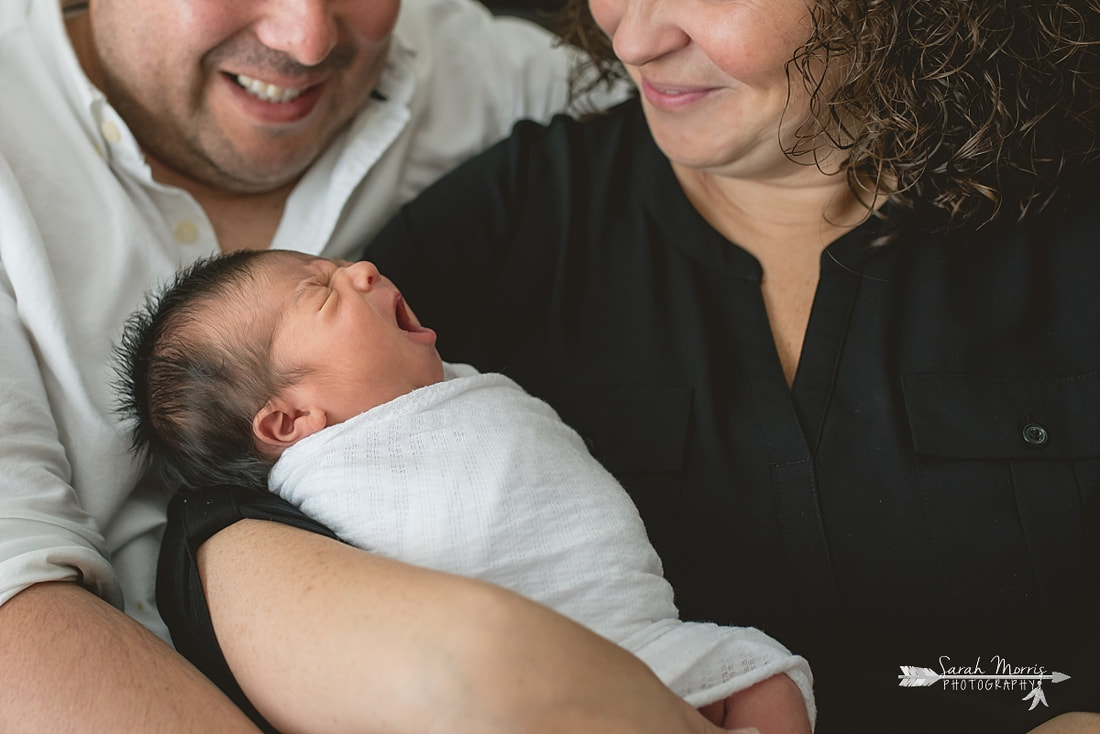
[[135, 137]]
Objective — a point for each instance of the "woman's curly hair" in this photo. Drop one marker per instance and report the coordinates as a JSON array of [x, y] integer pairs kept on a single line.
[[966, 110]]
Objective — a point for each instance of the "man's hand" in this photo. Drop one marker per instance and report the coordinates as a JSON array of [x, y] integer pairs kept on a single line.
[[772, 706]]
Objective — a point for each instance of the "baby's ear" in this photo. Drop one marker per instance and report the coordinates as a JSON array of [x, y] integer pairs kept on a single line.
[[279, 425]]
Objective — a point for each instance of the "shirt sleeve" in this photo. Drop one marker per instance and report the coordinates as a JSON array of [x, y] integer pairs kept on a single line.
[[193, 517], [477, 74], [523, 68], [45, 534]]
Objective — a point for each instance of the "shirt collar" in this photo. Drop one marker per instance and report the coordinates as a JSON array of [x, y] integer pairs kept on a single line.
[[89, 105], [315, 205]]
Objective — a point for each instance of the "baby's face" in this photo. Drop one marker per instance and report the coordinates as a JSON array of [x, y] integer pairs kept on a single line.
[[350, 329]]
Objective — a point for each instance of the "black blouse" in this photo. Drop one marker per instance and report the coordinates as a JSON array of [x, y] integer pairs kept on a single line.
[[926, 494]]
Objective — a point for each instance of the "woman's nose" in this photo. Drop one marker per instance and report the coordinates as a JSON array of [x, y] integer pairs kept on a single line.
[[646, 31], [304, 29]]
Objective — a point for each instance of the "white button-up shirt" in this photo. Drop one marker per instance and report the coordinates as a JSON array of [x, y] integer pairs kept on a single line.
[[85, 232]]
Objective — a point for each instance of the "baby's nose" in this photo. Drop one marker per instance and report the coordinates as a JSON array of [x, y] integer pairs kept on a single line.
[[363, 274]]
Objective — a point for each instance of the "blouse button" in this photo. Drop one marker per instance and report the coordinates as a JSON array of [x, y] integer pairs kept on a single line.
[[110, 131], [1035, 434], [186, 232]]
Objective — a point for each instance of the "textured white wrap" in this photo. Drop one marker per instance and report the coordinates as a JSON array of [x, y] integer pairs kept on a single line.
[[475, 477]]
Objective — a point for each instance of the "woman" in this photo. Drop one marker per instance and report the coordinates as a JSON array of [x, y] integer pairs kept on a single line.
[[825, 292], [821, 298]]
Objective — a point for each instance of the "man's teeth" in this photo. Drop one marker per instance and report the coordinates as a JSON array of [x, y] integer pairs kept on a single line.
[[267, 92]]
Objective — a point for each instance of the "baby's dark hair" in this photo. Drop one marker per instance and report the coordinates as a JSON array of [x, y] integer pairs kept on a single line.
[[191, 380]]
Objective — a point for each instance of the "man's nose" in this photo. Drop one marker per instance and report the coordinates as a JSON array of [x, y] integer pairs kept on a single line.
[[307, 30]]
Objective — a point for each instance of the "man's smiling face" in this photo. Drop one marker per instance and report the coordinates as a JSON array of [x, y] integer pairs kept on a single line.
[[240, 96]]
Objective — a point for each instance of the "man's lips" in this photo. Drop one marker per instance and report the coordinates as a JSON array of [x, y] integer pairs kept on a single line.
[[270, 103], [270, 91], [265, 91]]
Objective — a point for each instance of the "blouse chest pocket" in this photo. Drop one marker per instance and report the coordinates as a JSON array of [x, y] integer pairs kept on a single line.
[[1010, 476]]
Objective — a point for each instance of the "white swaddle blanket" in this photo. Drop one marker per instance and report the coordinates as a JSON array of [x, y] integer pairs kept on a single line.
[[475, 477]]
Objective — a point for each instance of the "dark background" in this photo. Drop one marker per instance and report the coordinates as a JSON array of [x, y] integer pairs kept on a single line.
[[538, 11]]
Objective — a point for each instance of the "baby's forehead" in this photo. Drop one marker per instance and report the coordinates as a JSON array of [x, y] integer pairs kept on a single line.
[[278, 279], [280, 268], [286, 263], [260, 286], [285, 259]]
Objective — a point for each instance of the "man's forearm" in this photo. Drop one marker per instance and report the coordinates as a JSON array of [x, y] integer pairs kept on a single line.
[[71, 662]]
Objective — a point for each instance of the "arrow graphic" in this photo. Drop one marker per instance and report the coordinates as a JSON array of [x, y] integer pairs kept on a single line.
[[913, 676], [1037, 697]]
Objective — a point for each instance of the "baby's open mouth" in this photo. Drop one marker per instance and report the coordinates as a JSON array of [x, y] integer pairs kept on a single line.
[[405, 318]]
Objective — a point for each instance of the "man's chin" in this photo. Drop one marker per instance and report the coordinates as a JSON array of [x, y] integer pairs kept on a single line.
[[257, 174]]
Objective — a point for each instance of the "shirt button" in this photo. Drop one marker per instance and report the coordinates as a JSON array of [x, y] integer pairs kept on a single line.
[[186, 232], [1035, 434], [110, 131]]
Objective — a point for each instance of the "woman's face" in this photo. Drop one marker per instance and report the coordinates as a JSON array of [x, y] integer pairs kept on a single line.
[[712, 76]]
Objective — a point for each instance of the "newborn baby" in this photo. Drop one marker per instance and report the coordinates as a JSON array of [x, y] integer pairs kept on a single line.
[[314, 378]]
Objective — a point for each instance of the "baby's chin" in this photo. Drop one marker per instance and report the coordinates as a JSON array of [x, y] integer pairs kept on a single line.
[[437, 369]]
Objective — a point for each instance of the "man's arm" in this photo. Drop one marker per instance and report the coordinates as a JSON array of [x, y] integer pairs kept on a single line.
[[325, 637], [71, 662]]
